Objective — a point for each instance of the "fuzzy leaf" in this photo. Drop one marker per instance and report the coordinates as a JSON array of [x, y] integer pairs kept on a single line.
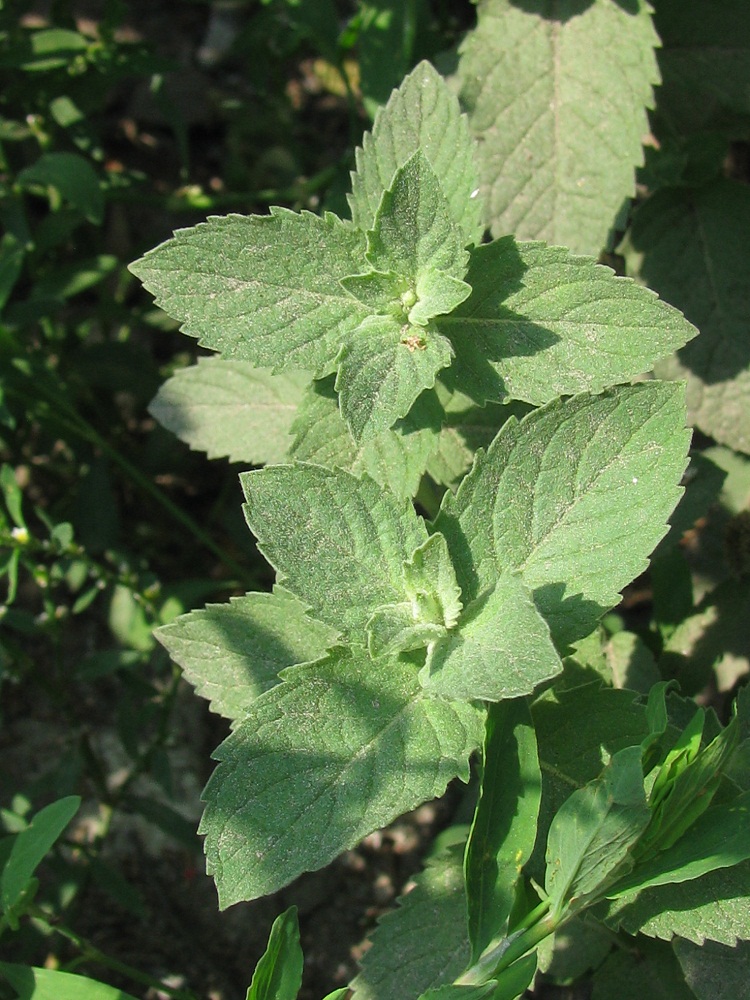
[[384, 369], [423, 114], [574, 497], [650, 971], [423, 942], [231, 409], [691, 247], [263, 289], [394, 458], [502, 648], [332, 753], [560, 128], [337, 542], [542, 323], [714, 970], [232, 653]]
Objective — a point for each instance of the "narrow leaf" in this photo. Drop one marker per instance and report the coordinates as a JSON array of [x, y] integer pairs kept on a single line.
[[554, 164], [334, 752], [278, 974], [49, 984]]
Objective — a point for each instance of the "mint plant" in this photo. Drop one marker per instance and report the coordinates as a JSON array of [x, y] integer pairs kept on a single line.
[[395, 644]]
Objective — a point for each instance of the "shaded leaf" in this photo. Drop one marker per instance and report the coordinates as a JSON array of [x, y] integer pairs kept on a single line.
[[714, 970]]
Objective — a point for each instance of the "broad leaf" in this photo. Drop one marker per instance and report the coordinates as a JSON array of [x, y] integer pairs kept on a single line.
[[574, 497], [691, 247], [334, 752], [650, 970], [423, 942], [278, 974], [231, 653], [594, 831], [556, 164], [394, 458], [423, 114], [542, 323], [337, 542], [714, 970], [263, 289], [383, 369], [231, 409], [504, 828], [502, 648]]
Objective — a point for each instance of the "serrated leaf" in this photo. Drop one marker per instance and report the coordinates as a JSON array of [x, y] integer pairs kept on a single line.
[[504, 827], [594, 831], [715, 907], [714, 970], [337, 542], [334, 752], [542, 323], [278, 974], [263, 289], [555, 164], [691, 248], [423, 943], [394, 458], [384, 368], [232, 653], [423, 114], [502, 648], [230, 409], [574, 497], [705, 65]]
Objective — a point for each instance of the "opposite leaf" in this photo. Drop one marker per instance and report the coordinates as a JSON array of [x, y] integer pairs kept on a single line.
[[574, 498], [334, 752]]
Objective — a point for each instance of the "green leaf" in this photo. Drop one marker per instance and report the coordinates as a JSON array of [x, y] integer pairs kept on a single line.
[[714, 970], [574, 497], [31, 845], [690, 247], [337, 542], [73, 177], [556, 164], [423, 114], [715, 907], [542, 323], [232, 653], [384, 368], [334, 752], [502, 648], [647, 970], [49, 984], [504, 827], [423, 943], [231, 409], [278, 974], [594, 831], [387, 33], [263, 289], [394, 458], [705, 65], [12, 253]]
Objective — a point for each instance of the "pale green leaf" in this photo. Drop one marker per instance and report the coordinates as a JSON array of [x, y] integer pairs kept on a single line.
[[423, 114], [231, 653], [278, 974], [574, 497], [334, 752], [394, 458], [542, 323], [466, 428], [423, 943], [691, 246], [560, 128], [263, 289], [705, 64], [393, 629], [715, 907], [649, 969], [50, 984], [501, 649], [594, 830], [631, 662], [714, 970], [337, 542], [504, 827], [384, 368], [231, 409]]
